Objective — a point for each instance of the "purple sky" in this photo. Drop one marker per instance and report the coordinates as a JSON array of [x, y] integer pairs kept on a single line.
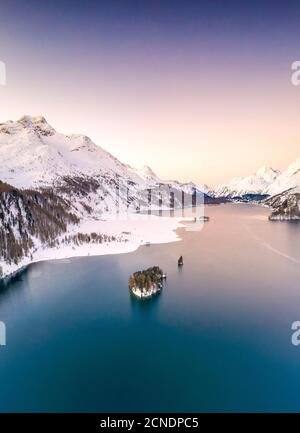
[[197, 90]]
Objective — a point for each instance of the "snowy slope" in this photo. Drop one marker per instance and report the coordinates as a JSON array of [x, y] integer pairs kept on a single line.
[[145, 173], [62, 196], [256, 183], [32, 154], [289, 179]]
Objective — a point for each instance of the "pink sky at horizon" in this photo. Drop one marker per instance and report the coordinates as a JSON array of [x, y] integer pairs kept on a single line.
[[177, 136]]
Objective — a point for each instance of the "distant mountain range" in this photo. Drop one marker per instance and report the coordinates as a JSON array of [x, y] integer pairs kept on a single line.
[[266, 182], [281, 191]]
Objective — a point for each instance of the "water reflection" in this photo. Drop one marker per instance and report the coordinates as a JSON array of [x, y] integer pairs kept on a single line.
[[145, 306], [15, 282]]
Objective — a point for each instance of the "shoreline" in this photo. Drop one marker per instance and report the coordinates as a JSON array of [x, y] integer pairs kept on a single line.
[[140, 230], [137, 232]]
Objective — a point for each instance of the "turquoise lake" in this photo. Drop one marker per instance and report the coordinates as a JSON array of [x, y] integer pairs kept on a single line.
[[218, 337]]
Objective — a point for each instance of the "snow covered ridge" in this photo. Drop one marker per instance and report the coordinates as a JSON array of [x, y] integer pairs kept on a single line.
[[42, 225], [256, 183], [266, 181], [36, 226], [62, 196], [281, 191], [33, 154], [288, 179]]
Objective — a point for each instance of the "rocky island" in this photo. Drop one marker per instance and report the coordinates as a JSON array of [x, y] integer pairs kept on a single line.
[[146, 283], [287, 210]]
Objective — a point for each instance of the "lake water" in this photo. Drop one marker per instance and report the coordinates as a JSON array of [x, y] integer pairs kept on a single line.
[[218, 338]]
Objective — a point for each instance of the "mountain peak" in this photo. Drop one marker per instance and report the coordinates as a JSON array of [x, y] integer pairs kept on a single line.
[[29, 120], [147, 174], [38, 123], [294, 167], [27, 124], [254, 184], [33, 154], [267, 172], [289, 179], [147, 170]]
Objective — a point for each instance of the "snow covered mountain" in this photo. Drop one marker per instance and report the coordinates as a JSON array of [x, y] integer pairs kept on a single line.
[[266, 181], [62, 195], [287, 180], [256, 183], [285, 194], [147, 174], [34, 155]]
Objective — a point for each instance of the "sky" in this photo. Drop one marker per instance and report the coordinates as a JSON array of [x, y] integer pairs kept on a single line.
[[198, 90]]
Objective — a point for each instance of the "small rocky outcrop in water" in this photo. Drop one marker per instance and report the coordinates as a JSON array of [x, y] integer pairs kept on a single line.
[[288, 209], [146, 283]]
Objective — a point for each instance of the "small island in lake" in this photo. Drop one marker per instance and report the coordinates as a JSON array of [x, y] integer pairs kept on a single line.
[[146, 283]]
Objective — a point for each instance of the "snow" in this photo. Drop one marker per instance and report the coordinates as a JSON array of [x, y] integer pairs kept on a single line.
[[145, 293], [34, 155], [134, 232], [265, 181], [146, 173], [289, 179], [256, 183]]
